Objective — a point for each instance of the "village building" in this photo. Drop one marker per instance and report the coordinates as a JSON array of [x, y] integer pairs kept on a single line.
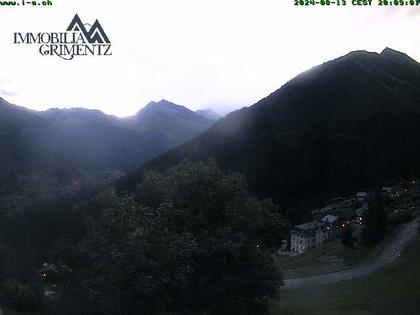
[[49, 272], [308, 235], [52, 273], [346, 215], [360, 213], [332, 224], [362, 196]]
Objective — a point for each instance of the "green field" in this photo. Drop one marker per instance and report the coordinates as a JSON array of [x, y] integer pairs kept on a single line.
[[394, 289], [329, 257]]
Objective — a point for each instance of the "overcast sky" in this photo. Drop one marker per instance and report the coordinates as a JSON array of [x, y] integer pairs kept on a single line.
[[223, 54]]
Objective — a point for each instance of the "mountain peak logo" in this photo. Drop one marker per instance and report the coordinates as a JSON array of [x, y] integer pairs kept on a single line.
[[95, 34], [79, 39]]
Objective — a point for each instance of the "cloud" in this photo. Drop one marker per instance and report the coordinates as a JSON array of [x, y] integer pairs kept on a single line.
[[7, 93], [208, 53], [413, 11]]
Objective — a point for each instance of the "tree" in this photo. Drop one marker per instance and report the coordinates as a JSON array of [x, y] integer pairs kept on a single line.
[[375, 221], [347, 237], [18, 295], [189, 241]]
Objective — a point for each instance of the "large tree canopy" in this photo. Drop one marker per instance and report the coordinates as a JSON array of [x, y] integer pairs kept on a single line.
[[191, 240]]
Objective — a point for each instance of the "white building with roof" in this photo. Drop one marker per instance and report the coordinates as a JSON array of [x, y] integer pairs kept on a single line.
[[329, 218], [333, 225], [308, 235]]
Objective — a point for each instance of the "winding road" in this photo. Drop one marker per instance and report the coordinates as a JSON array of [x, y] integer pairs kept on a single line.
[[390, 253]]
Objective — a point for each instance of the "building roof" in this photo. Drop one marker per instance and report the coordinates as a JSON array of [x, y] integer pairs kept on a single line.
[[309, 226], [329, 218], [346, 214], [48, 268]]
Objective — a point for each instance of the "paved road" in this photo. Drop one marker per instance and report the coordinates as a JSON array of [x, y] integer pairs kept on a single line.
[[391, 252]]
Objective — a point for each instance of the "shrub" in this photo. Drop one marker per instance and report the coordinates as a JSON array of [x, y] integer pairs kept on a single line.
[[18, 295]]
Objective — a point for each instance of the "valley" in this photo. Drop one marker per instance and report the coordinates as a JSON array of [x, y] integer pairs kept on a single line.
[[172, 211]]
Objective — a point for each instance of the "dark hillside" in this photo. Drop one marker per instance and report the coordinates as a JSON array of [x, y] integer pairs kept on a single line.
[[346, 125]]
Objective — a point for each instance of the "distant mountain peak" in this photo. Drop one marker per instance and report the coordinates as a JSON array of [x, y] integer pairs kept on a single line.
[[166, 104], [389, 51], [162, 102], [209, 114], [396, 55], [163, 106]]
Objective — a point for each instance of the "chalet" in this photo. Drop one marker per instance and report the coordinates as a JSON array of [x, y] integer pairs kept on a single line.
[[329, 219], [308, 235], [49, 272], [387, 189], [332, 224], [360, 213], [345, 214], [362, 196]]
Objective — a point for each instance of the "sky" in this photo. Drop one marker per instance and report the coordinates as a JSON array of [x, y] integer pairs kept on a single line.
[[219, 54]]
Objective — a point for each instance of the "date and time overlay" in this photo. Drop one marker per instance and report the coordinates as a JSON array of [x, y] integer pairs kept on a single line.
[[357, 3]]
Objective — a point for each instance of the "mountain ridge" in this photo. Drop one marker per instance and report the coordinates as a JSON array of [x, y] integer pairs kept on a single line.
[[355, 117], [78, 138], [209, 113]]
